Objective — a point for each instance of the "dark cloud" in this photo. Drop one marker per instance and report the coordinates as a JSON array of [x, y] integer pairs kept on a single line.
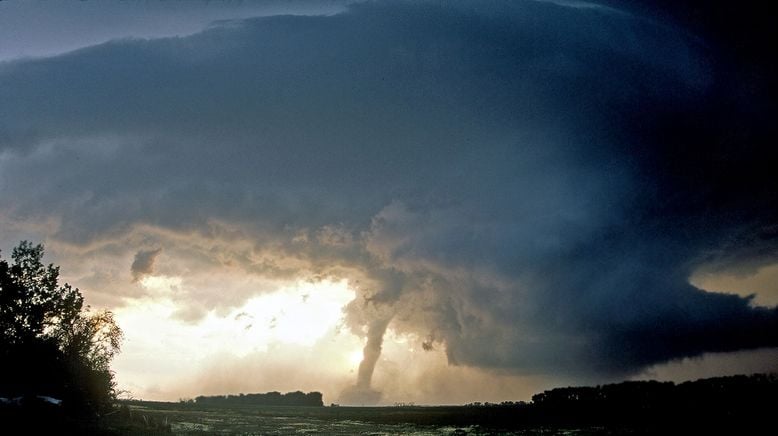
[[529, 184], [49, 28], [143, 264]]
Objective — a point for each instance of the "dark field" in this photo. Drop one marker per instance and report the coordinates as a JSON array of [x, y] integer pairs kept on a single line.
[[184, 419], [723, 405], [716, 406]]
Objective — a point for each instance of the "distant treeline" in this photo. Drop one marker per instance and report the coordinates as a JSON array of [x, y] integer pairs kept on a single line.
[[716, 404], [736, 395], [296, 398]]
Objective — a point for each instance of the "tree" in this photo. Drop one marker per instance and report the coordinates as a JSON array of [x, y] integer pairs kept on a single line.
[[50, 344]]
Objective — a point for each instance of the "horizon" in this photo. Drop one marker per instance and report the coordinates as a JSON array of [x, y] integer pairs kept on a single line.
[[400, 201], [232, 395]]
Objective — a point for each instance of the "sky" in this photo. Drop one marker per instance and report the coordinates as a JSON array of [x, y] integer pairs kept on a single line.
[[401, 201]]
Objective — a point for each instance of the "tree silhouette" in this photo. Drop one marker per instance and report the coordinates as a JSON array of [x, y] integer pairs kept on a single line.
[[50, 344]]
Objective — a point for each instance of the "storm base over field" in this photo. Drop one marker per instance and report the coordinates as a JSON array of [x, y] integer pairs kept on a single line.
[[407, 200]]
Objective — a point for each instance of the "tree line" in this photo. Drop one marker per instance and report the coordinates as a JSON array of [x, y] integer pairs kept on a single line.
[[297, 398], [733, 404], [739, 395]]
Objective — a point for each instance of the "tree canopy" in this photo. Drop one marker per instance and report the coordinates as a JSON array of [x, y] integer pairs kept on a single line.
[[50, 343]]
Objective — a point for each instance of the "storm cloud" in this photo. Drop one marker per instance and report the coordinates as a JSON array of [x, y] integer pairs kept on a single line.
[[528, 184]]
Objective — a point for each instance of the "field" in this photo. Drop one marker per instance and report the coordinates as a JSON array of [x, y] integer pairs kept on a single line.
[[185, 419], [715, 406]]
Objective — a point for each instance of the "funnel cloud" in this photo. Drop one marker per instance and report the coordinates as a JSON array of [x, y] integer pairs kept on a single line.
[[362, 392]]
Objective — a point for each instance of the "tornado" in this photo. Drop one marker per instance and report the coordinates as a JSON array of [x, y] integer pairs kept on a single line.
[[371, 352], [362, 392]]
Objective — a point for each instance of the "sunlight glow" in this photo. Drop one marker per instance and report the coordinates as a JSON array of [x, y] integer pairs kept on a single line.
[[761, 284], [354, 358], [161, 285], [279, 324], [297, 315]]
